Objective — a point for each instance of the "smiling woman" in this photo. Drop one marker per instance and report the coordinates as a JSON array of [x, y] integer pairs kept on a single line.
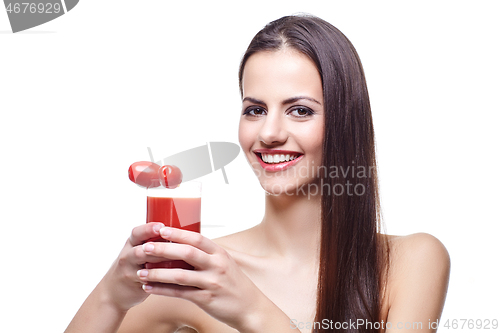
[[307, 56], [282, 116], [317, 262]]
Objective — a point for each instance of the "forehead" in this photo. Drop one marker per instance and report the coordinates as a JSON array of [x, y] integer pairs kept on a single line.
[[281, 74]]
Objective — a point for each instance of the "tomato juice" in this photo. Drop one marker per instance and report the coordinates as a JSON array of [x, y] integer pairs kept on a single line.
[[181, 213]]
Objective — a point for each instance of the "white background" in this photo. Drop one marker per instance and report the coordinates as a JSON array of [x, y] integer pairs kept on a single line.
[[82, 97]]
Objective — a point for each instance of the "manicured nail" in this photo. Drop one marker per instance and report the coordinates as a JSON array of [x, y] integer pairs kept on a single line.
[[146, 287], [142, 273], [148, 247], [157, 228], [165, 232]]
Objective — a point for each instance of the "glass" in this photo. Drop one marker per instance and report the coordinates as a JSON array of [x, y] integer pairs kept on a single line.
[[177, 208]]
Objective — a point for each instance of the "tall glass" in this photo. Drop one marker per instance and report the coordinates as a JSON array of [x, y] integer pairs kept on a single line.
[[177, 208]]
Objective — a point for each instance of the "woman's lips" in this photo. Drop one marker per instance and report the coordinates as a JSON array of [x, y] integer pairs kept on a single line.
[[293, 157]]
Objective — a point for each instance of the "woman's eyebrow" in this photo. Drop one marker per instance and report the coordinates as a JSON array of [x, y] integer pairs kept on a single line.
[[286, 101], [298, 98], [253, 100]]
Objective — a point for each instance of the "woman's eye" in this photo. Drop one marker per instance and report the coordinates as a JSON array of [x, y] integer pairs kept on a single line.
[[255, 112], [301, 112]]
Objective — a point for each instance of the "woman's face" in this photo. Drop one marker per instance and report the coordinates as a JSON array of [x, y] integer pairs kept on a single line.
[[281, 126]]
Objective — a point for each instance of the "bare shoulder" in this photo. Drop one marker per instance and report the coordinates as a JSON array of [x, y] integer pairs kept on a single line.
[[243, 241], [418, 277], [419, 251]]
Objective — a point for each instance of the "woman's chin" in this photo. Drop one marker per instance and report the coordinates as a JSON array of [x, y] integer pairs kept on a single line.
[[284, 189]]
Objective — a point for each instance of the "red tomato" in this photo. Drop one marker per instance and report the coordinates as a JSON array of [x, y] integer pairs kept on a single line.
[[170, 176], [144, 174]]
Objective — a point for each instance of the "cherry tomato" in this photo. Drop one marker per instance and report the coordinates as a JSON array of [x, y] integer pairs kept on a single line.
[[144, 174], [170, 176]]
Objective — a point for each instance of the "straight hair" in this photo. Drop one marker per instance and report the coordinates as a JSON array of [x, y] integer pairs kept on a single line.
[[354, 256]]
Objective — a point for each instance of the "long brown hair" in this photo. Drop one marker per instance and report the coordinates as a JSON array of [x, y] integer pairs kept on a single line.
[[353, 258]]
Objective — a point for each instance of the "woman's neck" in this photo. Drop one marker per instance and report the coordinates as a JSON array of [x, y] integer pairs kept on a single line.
[[291, 226]]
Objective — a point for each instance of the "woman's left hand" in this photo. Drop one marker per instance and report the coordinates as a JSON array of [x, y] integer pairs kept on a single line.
[[217, 285]]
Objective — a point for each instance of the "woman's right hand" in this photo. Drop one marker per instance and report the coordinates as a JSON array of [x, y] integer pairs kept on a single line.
[[121, 283]]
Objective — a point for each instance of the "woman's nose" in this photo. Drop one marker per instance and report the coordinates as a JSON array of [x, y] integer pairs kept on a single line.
[[273, 129]]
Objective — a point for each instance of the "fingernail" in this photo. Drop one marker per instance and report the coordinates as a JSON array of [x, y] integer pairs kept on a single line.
[[142, 273], [146, 287], [148, 247], [165, 232], [157, 228]]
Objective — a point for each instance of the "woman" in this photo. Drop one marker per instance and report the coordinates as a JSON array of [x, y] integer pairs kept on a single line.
[[317, 261]]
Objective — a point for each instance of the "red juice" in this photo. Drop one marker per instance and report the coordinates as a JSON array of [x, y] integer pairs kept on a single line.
[[181, 213]]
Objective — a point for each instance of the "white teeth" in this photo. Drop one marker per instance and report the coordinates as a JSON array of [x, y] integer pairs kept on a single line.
[[268, 158]]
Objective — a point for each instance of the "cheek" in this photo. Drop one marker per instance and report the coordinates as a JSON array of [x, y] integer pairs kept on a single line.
[[241, 135], [315, 147], [246, 136], [312, 139], [319, 136], [318, 144]]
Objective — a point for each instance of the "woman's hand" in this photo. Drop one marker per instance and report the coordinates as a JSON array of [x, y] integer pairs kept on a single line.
[[217, 285], [120, 289], [121, 284]]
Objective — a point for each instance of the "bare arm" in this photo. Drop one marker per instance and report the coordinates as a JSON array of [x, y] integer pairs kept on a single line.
[[97, 314], [119, 290], [419, 277]]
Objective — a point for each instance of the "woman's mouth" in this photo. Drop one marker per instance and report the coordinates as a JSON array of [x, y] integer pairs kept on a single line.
[[277, 160]]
